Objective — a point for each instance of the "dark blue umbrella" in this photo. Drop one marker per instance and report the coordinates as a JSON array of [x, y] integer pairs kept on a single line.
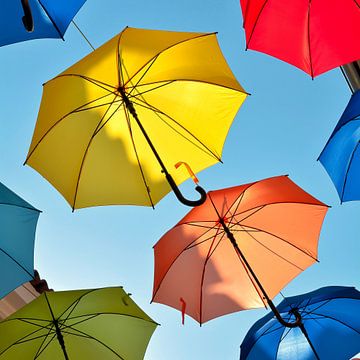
[[329, 329], [18, 221], [341, 155], [22, 20]]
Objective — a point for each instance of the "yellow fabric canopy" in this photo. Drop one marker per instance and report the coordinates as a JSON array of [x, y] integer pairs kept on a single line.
[[90, 147]]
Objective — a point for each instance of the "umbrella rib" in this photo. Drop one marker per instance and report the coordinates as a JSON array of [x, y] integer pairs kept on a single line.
[[21, 206], [254, 211], [51, 19], [282, 202], [192, 244], [356, 118], [147, 187], [203, 270], [337, 320], [84, 334], [139, 93], [189, 80], [96, 82], [42, 347], [270, 250], [58, 122], [16, 262], [92, 315], [309, 42], [163, 50], [357, 4], [22, 339], [255, 23], [284, 240], [88, 146], [133, 87], [76, 302], [323, 303], [173, 262], [347, 170], [118, 60], [158, 112], [198, 224]]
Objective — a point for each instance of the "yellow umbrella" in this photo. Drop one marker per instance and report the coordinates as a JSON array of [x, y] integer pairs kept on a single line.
[[112, 127]]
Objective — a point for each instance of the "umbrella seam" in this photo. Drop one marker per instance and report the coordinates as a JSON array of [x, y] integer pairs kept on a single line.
[[57, 123], [95, 132], [51, 19], [347, 171], [164, 50], [256, 22], [157, 112]]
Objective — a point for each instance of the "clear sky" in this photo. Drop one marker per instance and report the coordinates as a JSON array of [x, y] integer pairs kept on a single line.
[[281, 129]]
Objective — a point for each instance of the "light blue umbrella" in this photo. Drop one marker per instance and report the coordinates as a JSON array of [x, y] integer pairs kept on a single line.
[[329, 329], [22, 20], [18, 221], [341, 155]]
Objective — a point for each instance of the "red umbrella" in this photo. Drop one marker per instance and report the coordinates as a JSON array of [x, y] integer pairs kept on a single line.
[[238, 249], [315, 36]]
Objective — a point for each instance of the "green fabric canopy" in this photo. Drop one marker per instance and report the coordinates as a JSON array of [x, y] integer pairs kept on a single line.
[[92, 324]]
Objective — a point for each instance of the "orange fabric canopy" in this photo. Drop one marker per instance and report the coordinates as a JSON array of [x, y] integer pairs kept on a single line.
[[276, 226]]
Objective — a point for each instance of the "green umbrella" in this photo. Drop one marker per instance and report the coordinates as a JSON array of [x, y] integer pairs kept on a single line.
[[81, 324]]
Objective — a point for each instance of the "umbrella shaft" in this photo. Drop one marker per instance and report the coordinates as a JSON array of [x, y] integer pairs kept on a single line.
[[60, 339], [232, 239], [129, 105]]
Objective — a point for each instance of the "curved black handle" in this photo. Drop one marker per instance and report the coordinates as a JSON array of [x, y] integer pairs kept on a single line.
[[181, 197], [294, 324], [27, 19]]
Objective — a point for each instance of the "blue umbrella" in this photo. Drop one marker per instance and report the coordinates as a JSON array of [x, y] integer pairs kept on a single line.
[[329, 329], [341, 155], [18, 221], [22, 20]]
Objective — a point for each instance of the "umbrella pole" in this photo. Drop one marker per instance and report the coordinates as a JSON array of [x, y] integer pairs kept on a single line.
[[305, 333], [130, 107], [57, 330], [283, 322]]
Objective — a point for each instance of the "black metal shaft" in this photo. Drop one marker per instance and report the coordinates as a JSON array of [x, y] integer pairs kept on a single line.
[[59, 335], [130, 106], [305, 333], [232, 239]]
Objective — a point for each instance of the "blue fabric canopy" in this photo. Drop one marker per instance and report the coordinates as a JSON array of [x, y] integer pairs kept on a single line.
[[341, 155], [18, 221], [50, 17], [331, 317]]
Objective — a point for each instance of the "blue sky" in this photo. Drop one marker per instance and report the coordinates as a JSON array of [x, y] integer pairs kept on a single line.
[[280, 129]]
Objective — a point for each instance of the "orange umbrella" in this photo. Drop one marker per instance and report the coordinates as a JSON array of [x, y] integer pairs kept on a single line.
[[238, 249]]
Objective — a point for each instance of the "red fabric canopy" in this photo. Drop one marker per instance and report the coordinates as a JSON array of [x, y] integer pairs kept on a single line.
[[315, 36]]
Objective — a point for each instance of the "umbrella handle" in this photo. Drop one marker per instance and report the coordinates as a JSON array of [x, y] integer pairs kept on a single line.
[[27, 19], [181, 197], [294, 324]]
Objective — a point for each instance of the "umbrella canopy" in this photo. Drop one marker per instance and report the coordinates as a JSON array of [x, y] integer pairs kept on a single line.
[[18, 221], [81, 324], [341, 155], [112, 127], [330, 328], [35, 19], [238, 249], [314, 36]]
